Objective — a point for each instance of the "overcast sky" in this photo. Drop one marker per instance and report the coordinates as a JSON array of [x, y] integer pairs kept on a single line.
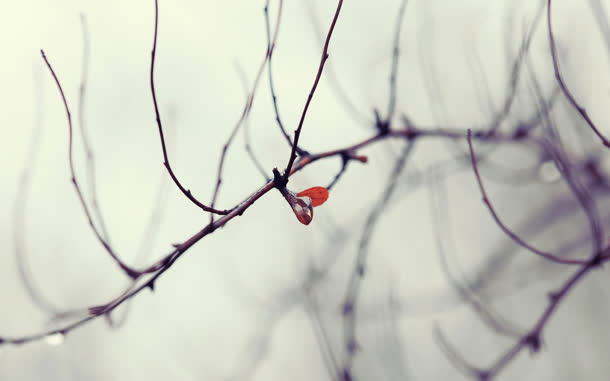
[[233, 307]]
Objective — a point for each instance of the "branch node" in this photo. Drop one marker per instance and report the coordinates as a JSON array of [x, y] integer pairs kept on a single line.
[[352, 346], [411, 133], [483, 375], [383, 125], [520, 133], [346, 375], [279, 181], [533, 342], [597, 260], [133, 274]]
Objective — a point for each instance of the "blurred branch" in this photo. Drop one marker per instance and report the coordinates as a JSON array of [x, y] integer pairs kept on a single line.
[[395, 58], [128, 270], [246, 129], [352, 294], [551, 257], [581, 110], [271, 87], [246, 109], [533, 339]]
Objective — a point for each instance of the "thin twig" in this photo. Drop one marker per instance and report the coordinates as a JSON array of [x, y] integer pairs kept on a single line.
[[246, 129], [532, 339], [246, 109], [601, 16], [344, 162], [129, 271], [341, 93], [20, 206], [453, 355], [557, 152], [395, 58], [90, 158], [354, 284], [564, 88], [312, 310], [297, 132], [516, 70], [271, 87], [152, 227], [166, 163], [444, 237], [551, 257]]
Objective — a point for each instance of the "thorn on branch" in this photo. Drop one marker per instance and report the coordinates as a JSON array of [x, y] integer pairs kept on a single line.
[[593, 170], [483, 375], [520, 133], [360, 270], [482, 134], [348, 308], [532, 341], [346, 375], [352, 346], [97, 310], [383, 125]]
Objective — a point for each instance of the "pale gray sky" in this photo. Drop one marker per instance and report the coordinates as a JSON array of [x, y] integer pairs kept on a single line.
[[233, 307]]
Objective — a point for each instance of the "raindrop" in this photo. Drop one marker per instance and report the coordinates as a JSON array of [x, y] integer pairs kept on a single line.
[[548, 172], [303, 210], [55, 339]]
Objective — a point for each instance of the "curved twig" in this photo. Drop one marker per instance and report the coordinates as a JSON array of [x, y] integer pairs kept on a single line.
[[564, 88], [128, 270], [166, 163]]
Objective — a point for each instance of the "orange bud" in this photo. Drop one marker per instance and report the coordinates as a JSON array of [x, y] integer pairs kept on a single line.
[[318, 195]]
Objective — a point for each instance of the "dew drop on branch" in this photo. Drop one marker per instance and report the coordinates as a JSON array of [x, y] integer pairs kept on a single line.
[[548, 172], [55, 339]]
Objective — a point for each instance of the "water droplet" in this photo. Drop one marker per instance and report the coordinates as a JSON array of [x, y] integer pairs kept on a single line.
[[55, 339], [548, 172], [303, 210]]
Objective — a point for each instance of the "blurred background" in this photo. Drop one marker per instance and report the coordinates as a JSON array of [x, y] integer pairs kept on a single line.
[[261, 299]]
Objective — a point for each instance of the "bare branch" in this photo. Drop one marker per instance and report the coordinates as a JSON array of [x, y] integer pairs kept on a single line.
[[551, 257], [271, 87], [246, 129], [395, 58], [564, 88], [129, 271], [297, 132], [533, 339], [350, 303], [246, 110]]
